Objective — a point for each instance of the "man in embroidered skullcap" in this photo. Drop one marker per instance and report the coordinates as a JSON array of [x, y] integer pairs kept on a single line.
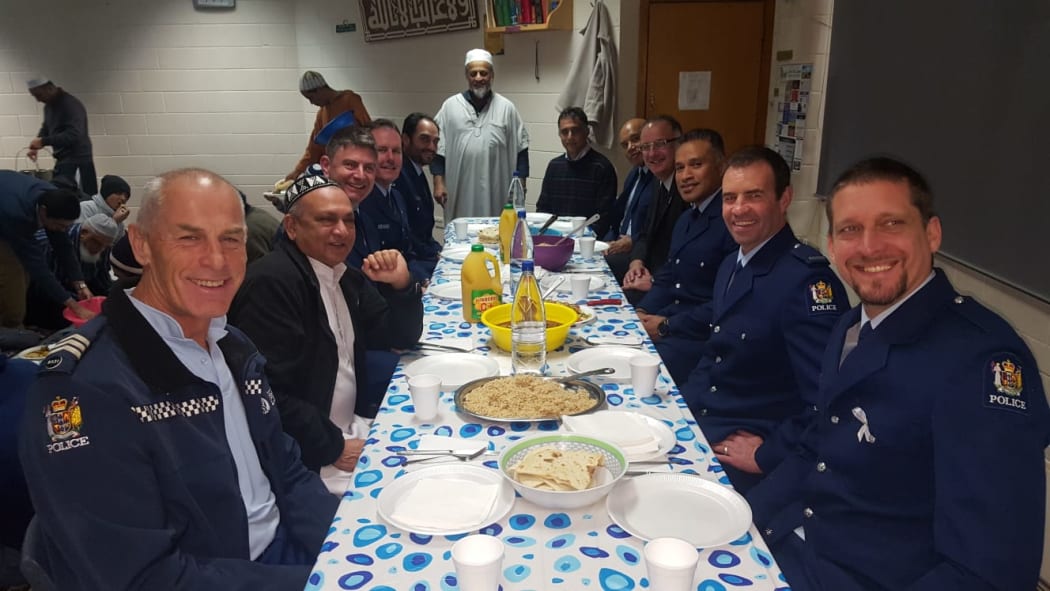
[[924, 467], [331, 104], [313, 317], [483, 143], [151, 440]]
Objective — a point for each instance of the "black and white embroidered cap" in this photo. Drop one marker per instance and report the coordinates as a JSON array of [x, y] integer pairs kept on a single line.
[[303, 185]]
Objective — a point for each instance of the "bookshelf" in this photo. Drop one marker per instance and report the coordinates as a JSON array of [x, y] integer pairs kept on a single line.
[[557, 15]]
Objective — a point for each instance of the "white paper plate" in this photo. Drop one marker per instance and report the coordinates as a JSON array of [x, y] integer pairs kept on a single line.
[[536, 217], [456, 253], [455, 369], [594, 265], [566, 286], [660, 430], [391, 495], [618, 358], [446, 291], [599, 246], [706, 514]]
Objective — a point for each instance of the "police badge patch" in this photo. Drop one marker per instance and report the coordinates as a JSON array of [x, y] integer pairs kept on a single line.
[[64, 423], [822, 298], [1004, 384]]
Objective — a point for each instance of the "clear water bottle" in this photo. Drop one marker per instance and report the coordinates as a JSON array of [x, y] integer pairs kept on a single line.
[[520, 250], [528, 325], [516, 193]]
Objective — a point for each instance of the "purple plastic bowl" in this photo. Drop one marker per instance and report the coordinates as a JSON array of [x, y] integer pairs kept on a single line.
[[550, 256]]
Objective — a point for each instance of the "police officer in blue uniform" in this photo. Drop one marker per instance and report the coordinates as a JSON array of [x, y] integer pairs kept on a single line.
[[384, 208], [924, 468], [151, 441], [774, 305], [674, 312], [419, 139]]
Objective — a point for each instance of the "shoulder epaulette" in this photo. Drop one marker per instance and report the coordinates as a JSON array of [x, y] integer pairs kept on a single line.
[[64, 355], [809, 255]]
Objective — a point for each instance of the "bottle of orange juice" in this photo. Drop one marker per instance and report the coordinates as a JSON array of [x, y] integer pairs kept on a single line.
[[507, 220], [482, 288]]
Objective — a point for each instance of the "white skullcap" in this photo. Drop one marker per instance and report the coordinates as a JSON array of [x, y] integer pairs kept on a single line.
[[311, 80], [478, 55], [36, 82], [103, 225]]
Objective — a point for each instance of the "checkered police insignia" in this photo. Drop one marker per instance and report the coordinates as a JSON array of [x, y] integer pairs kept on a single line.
[[253, 387], [160, 411]]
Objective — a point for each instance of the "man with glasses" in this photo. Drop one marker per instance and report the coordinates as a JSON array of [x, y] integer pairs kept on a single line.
[[659, 138], [332, 103], [582, 181]]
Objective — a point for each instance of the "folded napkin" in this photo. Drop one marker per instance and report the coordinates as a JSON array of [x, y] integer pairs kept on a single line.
[[446, 503], [630, 431], [427, 442]]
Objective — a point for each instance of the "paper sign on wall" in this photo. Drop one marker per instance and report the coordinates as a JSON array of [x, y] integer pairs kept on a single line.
[[694, 91]]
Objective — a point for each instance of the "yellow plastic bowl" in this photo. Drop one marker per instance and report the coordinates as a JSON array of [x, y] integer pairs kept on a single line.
[[556, 335]]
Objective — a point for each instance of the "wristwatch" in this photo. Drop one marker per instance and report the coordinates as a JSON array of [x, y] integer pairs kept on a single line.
[[664, 327]]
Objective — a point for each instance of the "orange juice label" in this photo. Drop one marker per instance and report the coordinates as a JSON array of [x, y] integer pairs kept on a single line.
[[481, 300]]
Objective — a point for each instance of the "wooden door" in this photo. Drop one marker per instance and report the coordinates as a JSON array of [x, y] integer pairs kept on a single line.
[[732, 40]]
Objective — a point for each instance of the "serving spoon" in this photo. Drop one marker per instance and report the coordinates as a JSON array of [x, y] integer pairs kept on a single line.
[[604, 371]]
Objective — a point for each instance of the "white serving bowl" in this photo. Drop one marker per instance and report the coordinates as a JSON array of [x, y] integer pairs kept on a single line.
[[605, 477]]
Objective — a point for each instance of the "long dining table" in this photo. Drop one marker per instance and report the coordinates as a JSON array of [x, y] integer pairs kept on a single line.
[[545, 549]]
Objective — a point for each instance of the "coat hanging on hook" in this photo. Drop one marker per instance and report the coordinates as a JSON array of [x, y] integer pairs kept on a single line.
[[591, 84]]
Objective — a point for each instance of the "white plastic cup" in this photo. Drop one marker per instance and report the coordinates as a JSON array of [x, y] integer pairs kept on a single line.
[[462, 229], [581, 286], [425, 390], [586, 246], [644, 369], [478, 560], [671, 564]]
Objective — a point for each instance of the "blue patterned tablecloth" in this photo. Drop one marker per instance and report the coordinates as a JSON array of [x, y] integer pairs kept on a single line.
[[546, 549]]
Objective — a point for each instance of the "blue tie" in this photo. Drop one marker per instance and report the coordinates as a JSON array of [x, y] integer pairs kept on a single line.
[[865, 332], [736, 270], [633, 199]]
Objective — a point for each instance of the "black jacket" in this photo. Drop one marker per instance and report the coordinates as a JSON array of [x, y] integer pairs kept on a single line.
[[133, 479], [279, 306], [654, 242]]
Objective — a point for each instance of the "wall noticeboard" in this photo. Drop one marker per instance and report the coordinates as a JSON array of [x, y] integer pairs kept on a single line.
[[396, 19]]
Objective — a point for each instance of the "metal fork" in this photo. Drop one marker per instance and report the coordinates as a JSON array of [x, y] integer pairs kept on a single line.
[[463, 456]]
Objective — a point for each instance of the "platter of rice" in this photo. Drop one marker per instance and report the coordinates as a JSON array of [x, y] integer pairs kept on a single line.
[[527, 398]]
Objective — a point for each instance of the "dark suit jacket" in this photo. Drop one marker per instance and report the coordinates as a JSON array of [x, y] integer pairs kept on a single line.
[[637, 211], [654, 242]]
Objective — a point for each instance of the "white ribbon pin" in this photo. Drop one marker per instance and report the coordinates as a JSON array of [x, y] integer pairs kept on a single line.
[[864, 433]]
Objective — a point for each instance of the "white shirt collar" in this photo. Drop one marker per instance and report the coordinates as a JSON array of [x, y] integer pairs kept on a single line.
[[327, 276], [744, 259], [582, 153]]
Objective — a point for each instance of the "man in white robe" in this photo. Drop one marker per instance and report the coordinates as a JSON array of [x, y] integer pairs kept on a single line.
[[483, 142]]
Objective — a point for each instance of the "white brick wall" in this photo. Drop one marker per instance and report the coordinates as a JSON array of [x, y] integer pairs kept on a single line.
[[169, 86]]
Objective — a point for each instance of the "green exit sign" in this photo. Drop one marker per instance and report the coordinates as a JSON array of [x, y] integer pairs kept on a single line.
[[345, 27]]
